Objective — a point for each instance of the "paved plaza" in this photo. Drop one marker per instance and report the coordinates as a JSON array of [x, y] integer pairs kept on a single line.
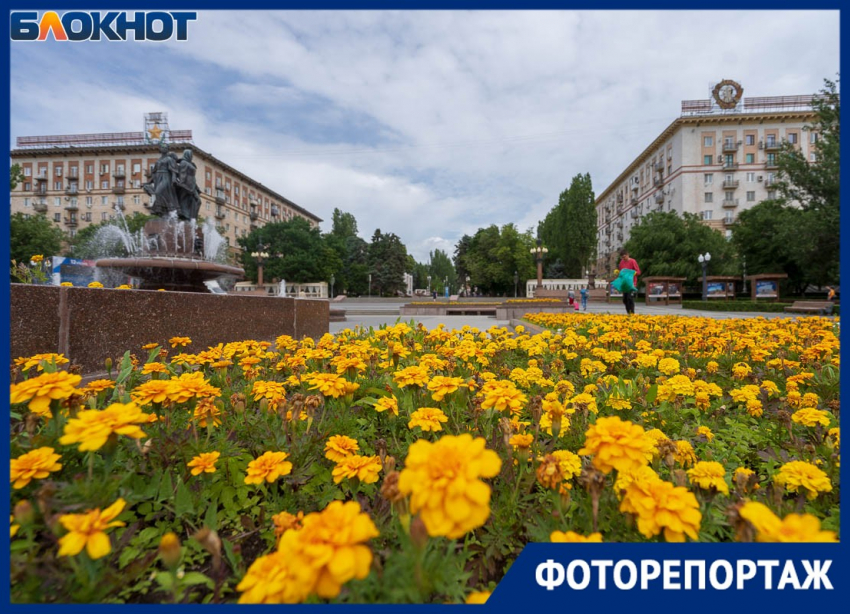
[[376, 313]]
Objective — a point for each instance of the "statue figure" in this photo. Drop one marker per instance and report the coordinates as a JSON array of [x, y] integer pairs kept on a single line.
[[188, 192], [161, 186]]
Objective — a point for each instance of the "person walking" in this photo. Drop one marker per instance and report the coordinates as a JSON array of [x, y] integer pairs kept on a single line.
[[831, 294], [626, 262], [583, 293]]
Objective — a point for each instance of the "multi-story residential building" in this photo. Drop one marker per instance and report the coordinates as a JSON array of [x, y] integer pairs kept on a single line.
[[77, 180], [715, 160]]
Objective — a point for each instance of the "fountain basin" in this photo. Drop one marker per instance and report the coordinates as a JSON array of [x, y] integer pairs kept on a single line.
[[181, 274]]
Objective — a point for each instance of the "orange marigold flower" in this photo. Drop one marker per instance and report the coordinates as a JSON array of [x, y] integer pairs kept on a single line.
[[269, 467], [34, 465], [709, 475], [41, 390], [364, 468], [617, 444], [88, 530], [204, 463], [792, 528], [428, 419], [570, 537], [91, 428], [339, 447], [661, 506], [798, 475], [181, 341]]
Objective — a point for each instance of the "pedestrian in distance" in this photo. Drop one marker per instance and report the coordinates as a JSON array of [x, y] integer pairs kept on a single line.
[[628, 263], [583, 293]]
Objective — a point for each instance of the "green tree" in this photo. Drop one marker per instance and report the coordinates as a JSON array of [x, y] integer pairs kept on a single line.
[[459, 259], [669, 244], [352, 253], [494, 254], [33, 235], [441, 270], [569, 229], [297, 251], [387, 263], [16, 176]]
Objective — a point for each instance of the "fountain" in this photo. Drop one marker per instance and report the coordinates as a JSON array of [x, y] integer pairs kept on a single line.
[[172, 251]]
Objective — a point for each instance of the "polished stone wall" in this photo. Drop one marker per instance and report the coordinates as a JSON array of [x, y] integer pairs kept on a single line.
[[88, 325]]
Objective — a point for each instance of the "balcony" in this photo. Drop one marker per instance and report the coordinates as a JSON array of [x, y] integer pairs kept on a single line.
[[254, 215], [729, 203], [118, 188], [41, 177], [119, 173], [771, 163], [731, 184], [219, 198], [633, 201], [71, 222], [71, 206], [634, 213], [659, 197], [657, 181], [731, 146], [40, 207], [119, 206], [275, 211], [728, 221], [620, 197], [771, 145], [219, 212], [72, 189], [658, 167], [770, 181], [40, 188], [619, 236], [73, 173], [730, 165]]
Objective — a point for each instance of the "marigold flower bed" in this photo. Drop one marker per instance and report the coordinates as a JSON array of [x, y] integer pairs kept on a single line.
[[407, 465]]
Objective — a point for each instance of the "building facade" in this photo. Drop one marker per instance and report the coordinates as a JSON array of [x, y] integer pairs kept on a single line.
[[78, 180], [715, 160]]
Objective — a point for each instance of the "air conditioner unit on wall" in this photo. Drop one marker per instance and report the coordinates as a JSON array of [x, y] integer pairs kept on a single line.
[[760, 177]]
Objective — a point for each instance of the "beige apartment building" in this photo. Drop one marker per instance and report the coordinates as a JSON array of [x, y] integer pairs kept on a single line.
[[77, 180], [715, 160]]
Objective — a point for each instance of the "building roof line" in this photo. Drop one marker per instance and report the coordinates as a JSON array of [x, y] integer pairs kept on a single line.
[[113, 149], [697, 120]]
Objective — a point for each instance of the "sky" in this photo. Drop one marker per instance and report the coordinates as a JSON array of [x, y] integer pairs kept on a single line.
[[427, 124]]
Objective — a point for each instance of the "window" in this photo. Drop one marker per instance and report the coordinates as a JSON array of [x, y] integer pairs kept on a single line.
[[57, 201], [771, 194], [706, 160], [26, 202], [57, 170], [104, 184], [28, 170], [706, 215], [88, 201], [669, 169], [771, 140], [707, 141], [120, 200], [813, 138], [729, 217], [813, 157], [729, 159], [137, 168], [792, 138], [89, 169], [120, 169], [750, 139], [751, 197], [103, 216], [751, 177], [751, 158], [57, 185], [730, 196], [137, 183], [74, 201], [236, 190], [771, 159], [208, 192], [89, 185], [57, 217], [708, 177], [104, 200], [728, 234], [104, 169], [208, 176], [27, 186], [137, 200], [709, 197]]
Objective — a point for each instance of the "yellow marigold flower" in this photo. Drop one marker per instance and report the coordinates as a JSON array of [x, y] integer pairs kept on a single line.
[[387, 403], [190, 385], [741, 370], [67, 284], [39, 360], [502, 396], [364, 468], [793, 528], [624, 478], [416, 375], [440, 386], [708, 475], [661, 506], [284, 521], [428, 419], [328, 384], [34, 465], [657, 436], [802, 475], [204, 463], [154, 367], [521, 441], [569, 462], [36, 258], [181, 341], [269, 467], [339, 447], [99, 385], [706, 432], [123, 287], [755, 408], [835, 433], [809, 416], [95, 284], [152, 391], [477, 597], [617, 444], [549, 473], [443, 481], [88, 530], [615, 401], [685, 454], [150, 346], [92, 428], [39, 391], [584, 402], [570, 537], [277, 578], [13, 528], [669, 366]]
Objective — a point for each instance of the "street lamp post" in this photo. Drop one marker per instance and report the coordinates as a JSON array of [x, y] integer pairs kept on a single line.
[[446, 285], [744, 263], [704, 259], [370, 285], [260, 257], [429, 284], [538, 252], [516, 283], [333, 279]]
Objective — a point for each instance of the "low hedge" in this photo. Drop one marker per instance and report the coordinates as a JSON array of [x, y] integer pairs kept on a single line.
[[763, 306]]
